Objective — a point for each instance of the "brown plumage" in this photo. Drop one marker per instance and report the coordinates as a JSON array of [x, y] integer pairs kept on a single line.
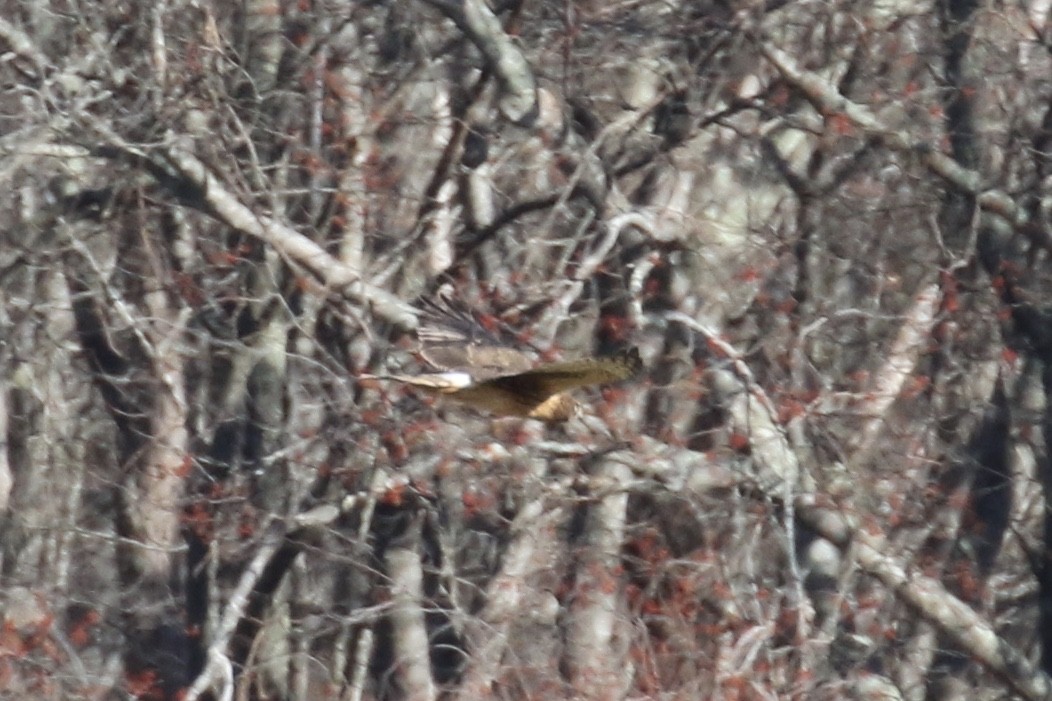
[[486, 372], [538, 393]]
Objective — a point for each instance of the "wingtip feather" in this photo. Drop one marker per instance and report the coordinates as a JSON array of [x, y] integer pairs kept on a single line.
[[632, 360]]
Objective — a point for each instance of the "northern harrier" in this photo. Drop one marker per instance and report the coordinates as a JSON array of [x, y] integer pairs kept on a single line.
[[477, 370]]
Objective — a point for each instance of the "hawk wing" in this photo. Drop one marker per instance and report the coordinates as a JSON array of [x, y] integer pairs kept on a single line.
[[453, 338], [482, 362], [481, 368], [545, 381], [537, 393]]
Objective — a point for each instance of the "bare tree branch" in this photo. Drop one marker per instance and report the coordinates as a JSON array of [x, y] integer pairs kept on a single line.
[[928, 597], [336, 276], [901, 361], [518, 99], [829, 101], [595, 613], [487, 634], [407, 621]]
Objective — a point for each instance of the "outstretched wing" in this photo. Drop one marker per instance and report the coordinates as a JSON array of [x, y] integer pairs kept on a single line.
[[453, 338], [536, 393], [547, 380]]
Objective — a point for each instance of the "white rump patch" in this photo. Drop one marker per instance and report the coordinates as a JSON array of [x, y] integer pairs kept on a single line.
[[457, 379]]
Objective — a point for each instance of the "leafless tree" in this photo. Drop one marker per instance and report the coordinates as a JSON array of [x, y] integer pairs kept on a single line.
[[827, 226]]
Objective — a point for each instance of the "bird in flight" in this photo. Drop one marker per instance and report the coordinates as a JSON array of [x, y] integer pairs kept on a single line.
[[538, 393], [479, 371]]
